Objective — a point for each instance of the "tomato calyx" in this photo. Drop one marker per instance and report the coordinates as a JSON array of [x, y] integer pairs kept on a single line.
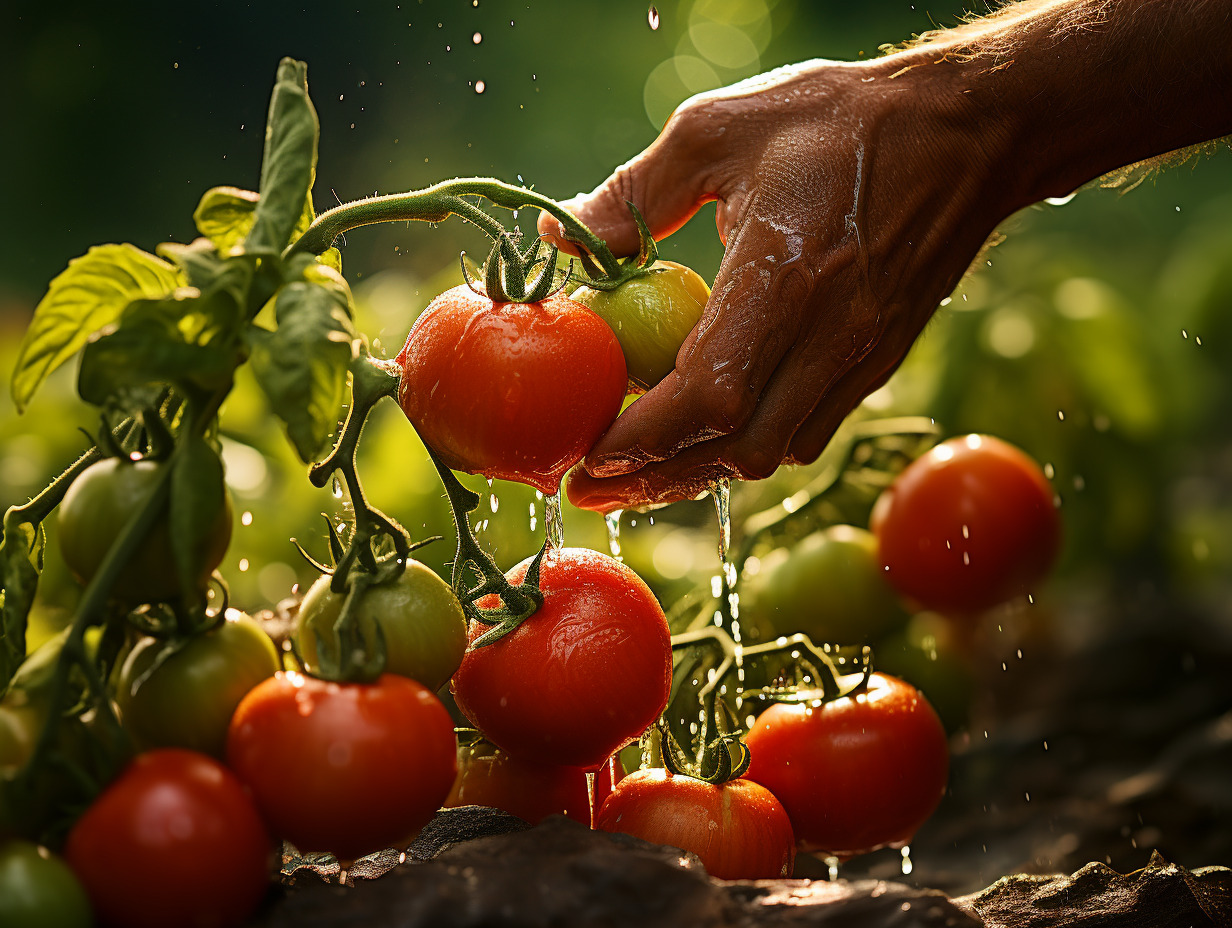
[[518, 602], [714, 764], [633, 266], [508, 269]]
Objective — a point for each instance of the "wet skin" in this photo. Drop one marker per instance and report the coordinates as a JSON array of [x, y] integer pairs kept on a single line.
[[852, 197]]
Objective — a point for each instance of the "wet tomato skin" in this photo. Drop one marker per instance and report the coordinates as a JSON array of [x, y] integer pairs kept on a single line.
[[487, 776], [583, 676], [859, 773], [738, 829], [967, 526], [174, 840], [517, 391], [349, 768]]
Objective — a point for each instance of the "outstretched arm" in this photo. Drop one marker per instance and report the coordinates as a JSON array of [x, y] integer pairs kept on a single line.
[[853, 196]]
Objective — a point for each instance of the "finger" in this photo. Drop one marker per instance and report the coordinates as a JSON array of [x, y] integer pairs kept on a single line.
[[668, 183], [767, 285]]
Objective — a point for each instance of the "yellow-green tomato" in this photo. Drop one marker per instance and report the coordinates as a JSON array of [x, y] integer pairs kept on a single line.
[[828, 586], [38, 890], [420, 617], [651, 316], [93, 513], [187, 700]]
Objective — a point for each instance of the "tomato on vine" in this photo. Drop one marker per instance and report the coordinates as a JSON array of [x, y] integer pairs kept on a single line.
[[968, 526], [175, 840], [38, 890], [855, 774], [517, 391], [487, 776], [186, 698], [95, 509], [738, 829], [420, 618], [349, 768], [585, 675], [652, 314]]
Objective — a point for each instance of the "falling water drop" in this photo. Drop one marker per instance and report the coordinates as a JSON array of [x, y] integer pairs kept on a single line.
[[652, 17], [832, 863], [907, 865], [720, 492], [533, 521], [554, 523], [494, 502], [337, 487], [612, 520]]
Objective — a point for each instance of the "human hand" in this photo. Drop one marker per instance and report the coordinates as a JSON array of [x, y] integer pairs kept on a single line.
[[851, 199]]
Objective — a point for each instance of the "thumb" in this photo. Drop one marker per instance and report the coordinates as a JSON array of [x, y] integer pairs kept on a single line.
[[668, 183]]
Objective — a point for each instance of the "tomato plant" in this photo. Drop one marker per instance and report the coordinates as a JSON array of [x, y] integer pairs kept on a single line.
[[519, 391], [738, 829], [38, 890], [487, 776], [349, 768], [186, 701], [587, 673], [95, 509], [829, 586], [175, 840], [420, 618], [968, 526], [651, 315], [855, 774]]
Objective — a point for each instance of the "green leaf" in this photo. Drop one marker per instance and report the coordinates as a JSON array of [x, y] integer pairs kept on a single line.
[[289, 164], [156, 343], [302, 364], [198, 496], [226, 215], [88, 295]]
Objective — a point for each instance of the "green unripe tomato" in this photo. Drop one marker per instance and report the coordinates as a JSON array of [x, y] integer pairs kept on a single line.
[[651, 316], [38, 890], [828, 586], [419, 615], [95, 510], [187, 701], [924, 654]]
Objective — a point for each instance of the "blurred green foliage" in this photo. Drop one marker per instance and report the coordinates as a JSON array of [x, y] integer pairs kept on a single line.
[[1096, 336]]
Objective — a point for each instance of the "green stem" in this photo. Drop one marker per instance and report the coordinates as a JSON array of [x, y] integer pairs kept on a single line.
[[436, 203]]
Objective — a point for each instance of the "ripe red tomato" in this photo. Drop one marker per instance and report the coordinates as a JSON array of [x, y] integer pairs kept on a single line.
[[855, 774], [175, 840], [968, 526], [519, 391], [738, 829], [487, 776], [344, 767], [583, 676]]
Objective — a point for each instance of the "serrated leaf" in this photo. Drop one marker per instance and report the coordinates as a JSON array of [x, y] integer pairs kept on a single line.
[[226, 215], [289, 163], [197, 497], [156, 343], [302, 364], [88, 295]]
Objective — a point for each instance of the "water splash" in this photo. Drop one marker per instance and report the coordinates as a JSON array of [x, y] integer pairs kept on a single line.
[[652, 17], [554, 522], [612, 521]]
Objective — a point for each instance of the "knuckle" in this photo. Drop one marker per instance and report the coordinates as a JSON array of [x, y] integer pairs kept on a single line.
[[726, 406]]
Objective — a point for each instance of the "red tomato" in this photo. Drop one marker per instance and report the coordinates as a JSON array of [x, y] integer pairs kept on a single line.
[[968, 526], [855, 774], [344, 767], [519, 391], [583, 676], [487, 776], [175, 840], [738, 829]]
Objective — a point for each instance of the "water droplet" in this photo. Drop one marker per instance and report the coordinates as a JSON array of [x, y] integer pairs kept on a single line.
[[832, 863], [494, 502], [243, 564], [246, 519], [612, 521], [652, 17], [554, 523], [480, 86], [337, 487], [907, 865], [477, 38], [1060, 201], [720, 492]]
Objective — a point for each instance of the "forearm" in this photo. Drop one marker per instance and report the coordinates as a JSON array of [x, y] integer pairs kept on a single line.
[[1086, 86]]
